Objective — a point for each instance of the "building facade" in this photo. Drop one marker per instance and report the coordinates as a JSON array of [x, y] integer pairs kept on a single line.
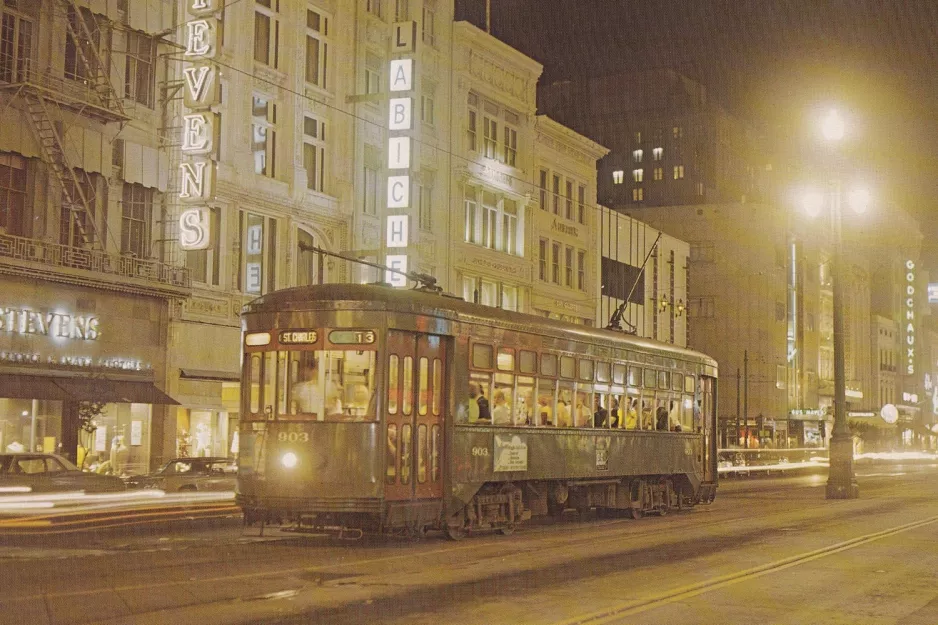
[[647, 271], [88, 283]]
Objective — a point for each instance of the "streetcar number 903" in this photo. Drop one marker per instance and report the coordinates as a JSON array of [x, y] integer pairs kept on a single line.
[[480, 451], [293, 437]]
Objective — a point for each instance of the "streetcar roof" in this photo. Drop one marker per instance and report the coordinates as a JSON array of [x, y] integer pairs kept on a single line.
[[381, 297]]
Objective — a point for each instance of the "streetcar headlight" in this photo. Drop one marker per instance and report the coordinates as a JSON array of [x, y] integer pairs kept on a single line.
[[289, 460]]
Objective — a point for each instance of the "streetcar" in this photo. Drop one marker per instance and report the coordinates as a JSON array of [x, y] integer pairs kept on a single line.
[[367, 408]]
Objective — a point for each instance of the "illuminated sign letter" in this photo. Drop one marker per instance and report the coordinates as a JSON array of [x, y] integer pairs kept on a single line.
[[195, 228], [398, 152], [196, 134], [201, 87], [398, 191], [402, 75], [198, 181], [399, 117], [399, 262], [397, 231], [200, 38]]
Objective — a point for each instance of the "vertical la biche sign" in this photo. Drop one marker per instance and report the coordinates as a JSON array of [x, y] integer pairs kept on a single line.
[[199, 123], [400, 124]]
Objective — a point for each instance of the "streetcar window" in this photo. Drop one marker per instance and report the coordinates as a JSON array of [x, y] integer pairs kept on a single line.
[[677, 381], [408, 396], [479, 404], [394, 388], [422, 453], [437, 385], [563, 414], [545, 402], [270, 381], [583, 408], [635, 376], [523, 413], [586, 370], [255, 377], [689, 386], [687, 414], [501, 399], [435, 446], [527, 361], [548, 365], [423, 388], [506, 359], [330, 385], [602, 372], [651, 378], [664, 380], [567, 367], [406, 433], [282, 381], [618, 374], [647, 412], [392, 454], [481, 356]]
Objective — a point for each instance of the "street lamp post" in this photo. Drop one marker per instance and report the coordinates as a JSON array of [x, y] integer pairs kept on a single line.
[[841, 481]]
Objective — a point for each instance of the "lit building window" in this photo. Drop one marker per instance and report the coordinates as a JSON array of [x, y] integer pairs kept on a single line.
[[638, 194], [678, 172], [637, 156], [638, 174], [618, 176], [657, 154], [638, 137], [264, 135], [493, 222], [657, 174], [678, 132]]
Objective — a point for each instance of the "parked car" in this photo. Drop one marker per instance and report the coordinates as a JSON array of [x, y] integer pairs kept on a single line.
[[50, 473], [190, 474]]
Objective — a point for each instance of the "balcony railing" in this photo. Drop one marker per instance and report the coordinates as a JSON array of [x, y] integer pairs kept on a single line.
[[68, 257], [79, 94]]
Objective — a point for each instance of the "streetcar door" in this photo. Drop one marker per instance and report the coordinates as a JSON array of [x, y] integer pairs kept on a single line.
[[414, 416], [707, 397]]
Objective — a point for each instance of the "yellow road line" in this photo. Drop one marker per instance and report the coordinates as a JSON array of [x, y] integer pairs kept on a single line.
[[678, 594]]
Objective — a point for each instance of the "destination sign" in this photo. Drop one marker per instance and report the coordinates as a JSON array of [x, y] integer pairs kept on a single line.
[[298, 337], [352, 337]]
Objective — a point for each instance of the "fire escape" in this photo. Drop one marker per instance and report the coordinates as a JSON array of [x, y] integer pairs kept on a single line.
[[51, 101], [85, 91]]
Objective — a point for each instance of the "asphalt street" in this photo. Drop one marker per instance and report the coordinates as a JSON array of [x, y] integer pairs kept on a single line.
[[769, 550]]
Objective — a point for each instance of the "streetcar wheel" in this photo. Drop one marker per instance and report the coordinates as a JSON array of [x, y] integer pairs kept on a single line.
[[507, 530], [663, 510], [454, 533]]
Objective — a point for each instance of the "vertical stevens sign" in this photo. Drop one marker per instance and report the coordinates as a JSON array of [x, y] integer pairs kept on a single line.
[[199, 124], [400, 122]]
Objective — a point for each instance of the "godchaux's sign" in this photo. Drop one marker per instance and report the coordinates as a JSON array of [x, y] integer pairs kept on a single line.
[[199, 124], [908, 306]]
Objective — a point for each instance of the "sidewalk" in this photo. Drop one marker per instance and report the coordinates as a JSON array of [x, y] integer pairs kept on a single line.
[[763, 461]]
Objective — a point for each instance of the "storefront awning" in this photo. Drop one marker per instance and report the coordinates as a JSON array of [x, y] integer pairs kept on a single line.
[[31, 387], [82, 389]]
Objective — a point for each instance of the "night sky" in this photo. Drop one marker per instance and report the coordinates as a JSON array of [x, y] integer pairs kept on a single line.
[[777, 63]]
